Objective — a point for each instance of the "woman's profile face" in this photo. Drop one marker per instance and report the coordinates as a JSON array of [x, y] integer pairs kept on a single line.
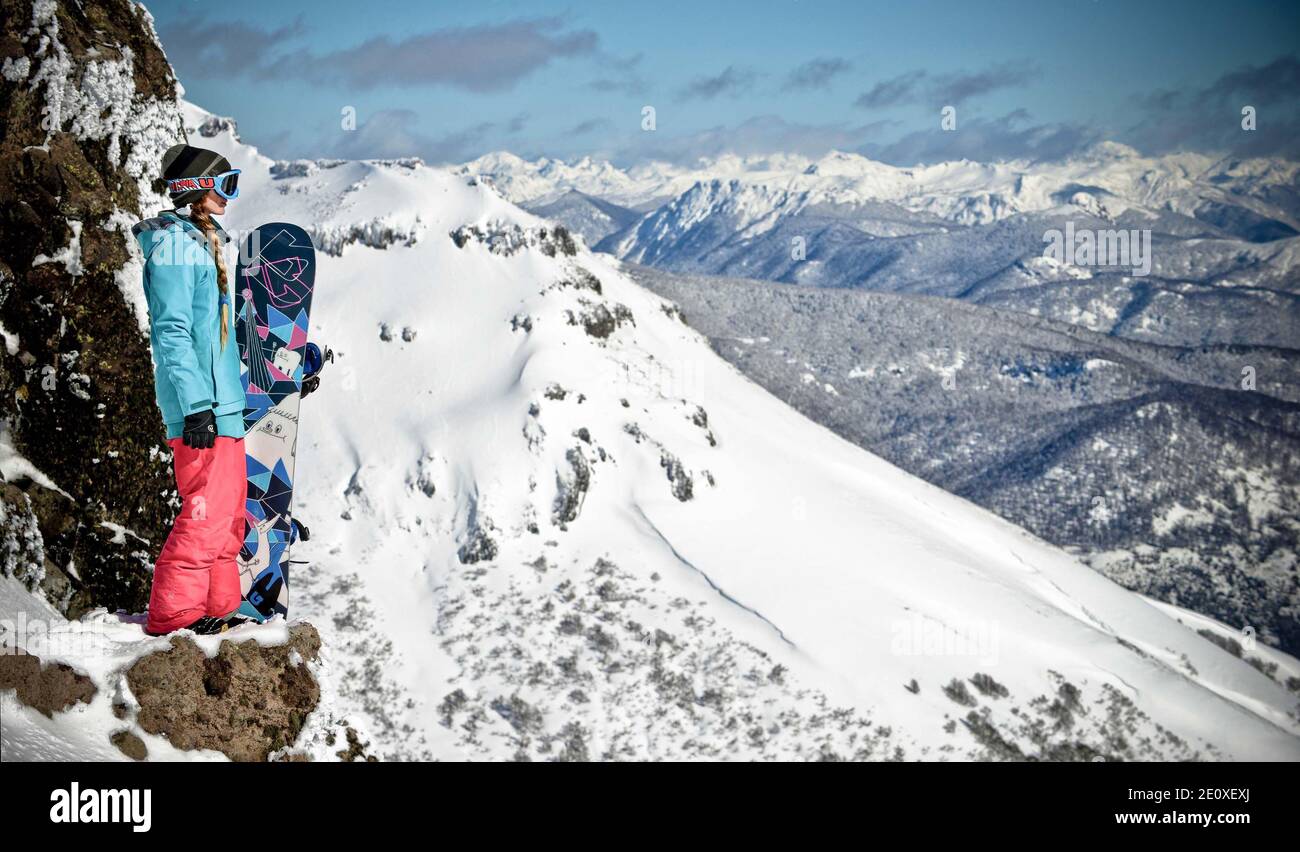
[[213, 203]]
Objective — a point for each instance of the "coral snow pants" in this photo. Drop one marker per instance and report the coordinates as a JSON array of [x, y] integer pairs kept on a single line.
[[196, 573]]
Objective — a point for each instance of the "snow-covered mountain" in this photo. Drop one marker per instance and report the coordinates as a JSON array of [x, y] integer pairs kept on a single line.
[[550, 523], [1150, 462], [1105, 178], [340, 202], [542, 181], [1222, 233], [591, 217], [1203, 288]]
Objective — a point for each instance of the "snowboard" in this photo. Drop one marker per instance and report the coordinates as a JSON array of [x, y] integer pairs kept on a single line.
[[272, 302]]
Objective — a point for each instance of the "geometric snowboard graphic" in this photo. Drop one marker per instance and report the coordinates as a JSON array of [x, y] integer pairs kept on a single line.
[[273, 288]]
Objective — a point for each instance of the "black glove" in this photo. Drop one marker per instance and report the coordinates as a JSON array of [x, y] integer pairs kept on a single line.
[[200, 430]]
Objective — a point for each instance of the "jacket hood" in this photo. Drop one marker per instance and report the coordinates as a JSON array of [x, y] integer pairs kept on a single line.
[[147, 231]]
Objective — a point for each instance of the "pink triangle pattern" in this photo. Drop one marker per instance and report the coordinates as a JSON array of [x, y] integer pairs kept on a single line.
[[278, 374]]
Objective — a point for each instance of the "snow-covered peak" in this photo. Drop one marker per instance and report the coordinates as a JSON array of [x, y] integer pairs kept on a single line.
[[735, 165], [1254, 173], [221, 134], [964, 191], [847, 163], [544, 180], [498, 160], [340, 202]]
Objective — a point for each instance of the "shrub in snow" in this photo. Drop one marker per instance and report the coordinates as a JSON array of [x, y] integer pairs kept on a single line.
[[580, 279], [480, 546], [683, 485], [507, 238], [988, 686], [957, 691], [570, 488], [600, 321], [22, 550], [377, 233]]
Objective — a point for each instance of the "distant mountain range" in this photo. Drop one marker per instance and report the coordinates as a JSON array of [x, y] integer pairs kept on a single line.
[[1105, 177], [587, 215], [1223, 232], [1250, 198]]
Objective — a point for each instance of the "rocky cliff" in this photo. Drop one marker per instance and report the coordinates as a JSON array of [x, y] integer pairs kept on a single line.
[[89, 104]]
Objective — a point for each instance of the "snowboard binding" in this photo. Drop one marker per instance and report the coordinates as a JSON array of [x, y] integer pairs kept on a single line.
[[313, 362]]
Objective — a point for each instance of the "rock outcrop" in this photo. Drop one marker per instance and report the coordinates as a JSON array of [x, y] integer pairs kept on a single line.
[[89, 104], [50, 688], [247, 702]]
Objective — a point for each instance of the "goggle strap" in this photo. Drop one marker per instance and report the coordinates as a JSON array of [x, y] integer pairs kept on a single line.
[[203, 183]]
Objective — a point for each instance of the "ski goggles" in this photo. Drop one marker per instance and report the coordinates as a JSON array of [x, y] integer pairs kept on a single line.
[[225, 184]]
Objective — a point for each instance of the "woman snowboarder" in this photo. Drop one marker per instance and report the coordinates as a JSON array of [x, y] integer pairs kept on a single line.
[[199, 392]]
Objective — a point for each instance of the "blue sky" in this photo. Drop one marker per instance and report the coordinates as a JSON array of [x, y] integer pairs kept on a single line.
[[450, 81]]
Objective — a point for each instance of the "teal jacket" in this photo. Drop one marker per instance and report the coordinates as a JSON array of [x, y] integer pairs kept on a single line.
[[192, 371]]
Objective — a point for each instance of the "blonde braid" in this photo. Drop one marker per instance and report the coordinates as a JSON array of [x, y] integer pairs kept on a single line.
[[203, 219]]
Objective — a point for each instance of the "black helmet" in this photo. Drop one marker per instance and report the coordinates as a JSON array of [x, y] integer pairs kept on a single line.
[[191, 172]]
